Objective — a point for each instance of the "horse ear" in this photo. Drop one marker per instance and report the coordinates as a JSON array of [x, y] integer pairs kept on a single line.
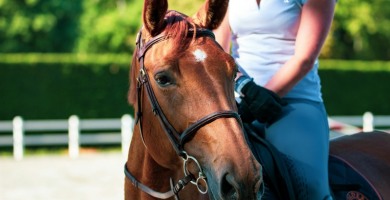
[[134, 69], [211, 14], [153, 15]]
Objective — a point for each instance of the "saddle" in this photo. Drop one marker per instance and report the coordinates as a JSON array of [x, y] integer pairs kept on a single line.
[[359, 166]]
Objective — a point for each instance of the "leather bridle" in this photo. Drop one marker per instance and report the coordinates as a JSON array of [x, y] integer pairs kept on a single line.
[[177, 139]]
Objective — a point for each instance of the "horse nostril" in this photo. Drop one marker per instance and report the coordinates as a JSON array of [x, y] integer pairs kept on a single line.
[[229, 187]]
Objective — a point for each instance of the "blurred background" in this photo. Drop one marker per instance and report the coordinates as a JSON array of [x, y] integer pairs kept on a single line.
[[59, 58], [63, 61]]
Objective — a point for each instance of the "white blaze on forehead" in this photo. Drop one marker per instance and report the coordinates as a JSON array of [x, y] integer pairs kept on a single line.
[[200, 55]]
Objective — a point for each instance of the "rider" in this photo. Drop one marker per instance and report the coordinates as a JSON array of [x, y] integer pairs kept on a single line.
[[277, 44]]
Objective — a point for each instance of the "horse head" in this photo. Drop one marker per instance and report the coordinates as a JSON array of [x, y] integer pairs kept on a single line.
[[187, 125]]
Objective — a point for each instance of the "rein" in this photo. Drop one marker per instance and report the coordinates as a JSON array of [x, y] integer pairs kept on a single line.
[[178, 140]]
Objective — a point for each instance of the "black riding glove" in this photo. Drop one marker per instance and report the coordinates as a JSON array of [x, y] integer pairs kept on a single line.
[[263, 104], [245, 112]]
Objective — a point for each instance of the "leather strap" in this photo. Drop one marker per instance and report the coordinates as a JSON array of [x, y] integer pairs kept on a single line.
[[151, 192], [190, 131]]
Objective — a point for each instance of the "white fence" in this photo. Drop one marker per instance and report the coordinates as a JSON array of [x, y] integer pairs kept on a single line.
[[73, 128], [66, 132], [350, 124]]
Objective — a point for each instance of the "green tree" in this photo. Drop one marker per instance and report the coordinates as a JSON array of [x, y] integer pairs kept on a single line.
[[109, 26], [361, 30], [38, 25]]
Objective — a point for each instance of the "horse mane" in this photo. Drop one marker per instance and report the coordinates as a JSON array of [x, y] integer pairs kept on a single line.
[[177, 26]]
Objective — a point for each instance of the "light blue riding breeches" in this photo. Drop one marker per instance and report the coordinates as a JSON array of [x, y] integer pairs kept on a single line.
[[302, 135]]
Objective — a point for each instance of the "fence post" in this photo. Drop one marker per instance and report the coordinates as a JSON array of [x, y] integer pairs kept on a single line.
[[126, 132], [18, 133], [368, 122], [74, 132]]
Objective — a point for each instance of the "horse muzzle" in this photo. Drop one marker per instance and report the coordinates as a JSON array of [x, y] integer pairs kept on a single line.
[[232, 185]]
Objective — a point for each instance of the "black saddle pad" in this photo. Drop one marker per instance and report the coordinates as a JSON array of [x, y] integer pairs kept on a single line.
[[275, 172]]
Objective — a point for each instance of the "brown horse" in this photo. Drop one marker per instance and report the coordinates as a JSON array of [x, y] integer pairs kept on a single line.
[[188, 141]]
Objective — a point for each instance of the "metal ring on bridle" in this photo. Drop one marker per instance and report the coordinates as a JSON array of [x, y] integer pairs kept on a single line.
[[198, 184], [186, 158]]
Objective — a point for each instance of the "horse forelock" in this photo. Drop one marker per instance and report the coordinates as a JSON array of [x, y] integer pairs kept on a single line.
[[177, 28]]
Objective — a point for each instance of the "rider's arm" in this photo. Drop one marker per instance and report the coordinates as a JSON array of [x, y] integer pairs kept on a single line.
[[316, 19]]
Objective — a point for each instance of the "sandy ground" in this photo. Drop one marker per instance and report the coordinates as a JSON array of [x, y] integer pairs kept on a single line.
[[97, 176], [91, 176]]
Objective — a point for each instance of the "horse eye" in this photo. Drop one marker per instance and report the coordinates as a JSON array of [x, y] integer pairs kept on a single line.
[[163, 80]]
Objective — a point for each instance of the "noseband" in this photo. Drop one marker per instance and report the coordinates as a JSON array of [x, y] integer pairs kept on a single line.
[[178, 140]]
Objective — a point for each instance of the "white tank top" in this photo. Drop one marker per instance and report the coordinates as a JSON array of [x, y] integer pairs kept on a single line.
[[263, 39]]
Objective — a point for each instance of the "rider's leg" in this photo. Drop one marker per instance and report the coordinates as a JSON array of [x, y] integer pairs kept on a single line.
[[302, 135]]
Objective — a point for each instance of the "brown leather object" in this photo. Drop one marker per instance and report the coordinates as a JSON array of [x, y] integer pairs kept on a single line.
[[369, 154]]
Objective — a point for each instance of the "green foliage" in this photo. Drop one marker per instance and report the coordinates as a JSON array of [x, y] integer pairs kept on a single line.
[[38, 25], [353, 92], [354, 87], [40, 86], [90, 26], [355, 65], [109, 26], [45, 87], [65, 58], [187, 7], [361, 30], [91, 85]]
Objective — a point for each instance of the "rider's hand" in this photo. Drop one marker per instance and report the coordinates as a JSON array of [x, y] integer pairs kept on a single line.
[[265, 105], [245, 112]]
